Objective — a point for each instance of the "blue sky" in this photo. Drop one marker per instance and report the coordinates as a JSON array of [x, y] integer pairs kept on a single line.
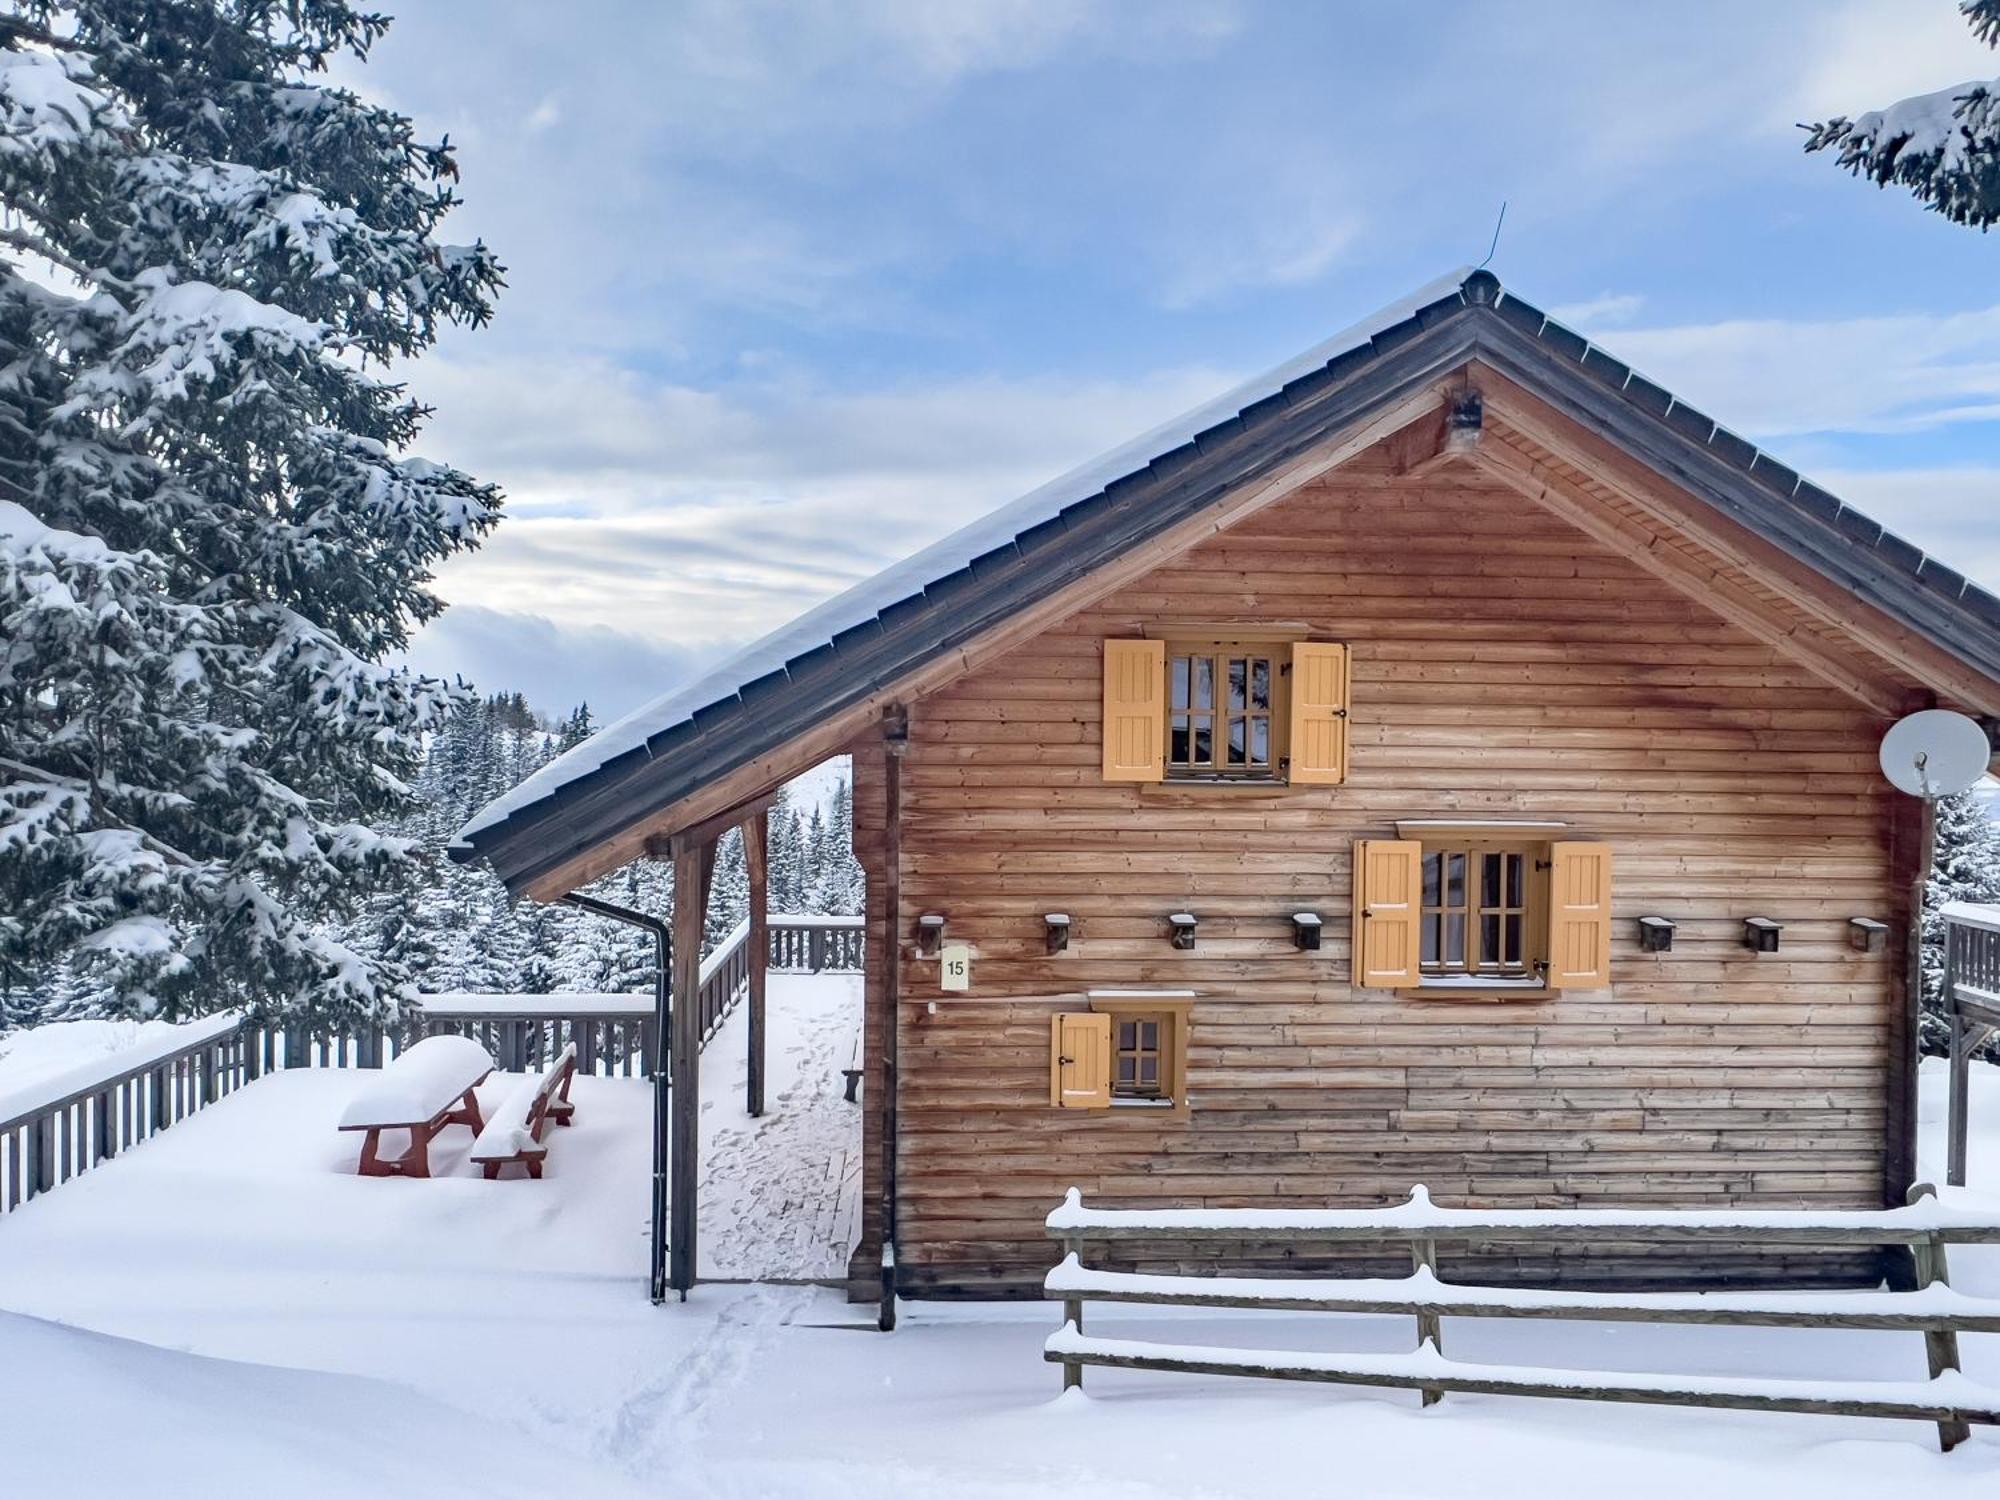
[[796, 289]]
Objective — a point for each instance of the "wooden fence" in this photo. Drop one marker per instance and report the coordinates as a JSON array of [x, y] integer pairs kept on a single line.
[[1948, 1398], [58, 1130]]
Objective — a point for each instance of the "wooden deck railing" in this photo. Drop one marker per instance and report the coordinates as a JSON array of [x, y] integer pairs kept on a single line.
[[1972, 1010], [54, 1130], [1927, 1226]]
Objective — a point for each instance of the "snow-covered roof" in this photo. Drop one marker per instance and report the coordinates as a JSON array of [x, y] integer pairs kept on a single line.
[[871, 638], [898, 582]]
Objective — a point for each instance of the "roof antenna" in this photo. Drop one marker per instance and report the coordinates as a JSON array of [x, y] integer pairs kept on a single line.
[[1496, 236]]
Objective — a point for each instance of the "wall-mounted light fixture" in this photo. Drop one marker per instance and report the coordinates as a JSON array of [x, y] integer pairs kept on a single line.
[[930, 933], [1760, 934], [1866, 935], [1305, 930], [1181, 923], [1466, 422], [1656, 934], [1057, 925]]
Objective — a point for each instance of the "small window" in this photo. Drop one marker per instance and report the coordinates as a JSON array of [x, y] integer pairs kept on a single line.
[[1225, 710], [1128, 1051], [1139, 1056], [1475, 918]]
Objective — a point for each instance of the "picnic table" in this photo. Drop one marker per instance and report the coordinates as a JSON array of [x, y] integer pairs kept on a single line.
[[428, 1087]]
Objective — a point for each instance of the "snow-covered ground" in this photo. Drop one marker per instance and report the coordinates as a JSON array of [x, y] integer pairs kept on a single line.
[[464, 1337]]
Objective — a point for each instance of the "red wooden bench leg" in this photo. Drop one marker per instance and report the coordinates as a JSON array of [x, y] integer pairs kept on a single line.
[[467, 1113], [372, 1164], [492, 1171], [534, 1165]]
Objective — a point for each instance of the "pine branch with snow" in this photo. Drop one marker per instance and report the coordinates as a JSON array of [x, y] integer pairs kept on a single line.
[[211, 531], [1943, 146]]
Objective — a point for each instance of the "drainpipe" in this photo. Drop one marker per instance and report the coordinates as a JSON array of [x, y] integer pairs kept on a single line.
[[663, 947], [896, 738]]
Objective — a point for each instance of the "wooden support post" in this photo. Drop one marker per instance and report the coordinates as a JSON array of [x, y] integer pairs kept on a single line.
[[694, 861], [756, 859], [1912, 835], [1423, 1253], [1961, 1081], [1073, 1315], [1940, 1344], [41, 1155]]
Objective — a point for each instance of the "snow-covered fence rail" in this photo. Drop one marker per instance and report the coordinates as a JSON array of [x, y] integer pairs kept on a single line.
[[1947, 1398], [1972, 1010], [60, 1127]]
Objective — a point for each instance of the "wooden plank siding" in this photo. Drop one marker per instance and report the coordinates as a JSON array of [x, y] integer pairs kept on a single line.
[[1504, 665]]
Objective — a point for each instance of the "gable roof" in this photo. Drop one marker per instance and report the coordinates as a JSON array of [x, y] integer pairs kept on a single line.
[[878, 632]]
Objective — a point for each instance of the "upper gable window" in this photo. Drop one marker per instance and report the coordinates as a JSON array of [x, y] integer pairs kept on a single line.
[[1225, 709]]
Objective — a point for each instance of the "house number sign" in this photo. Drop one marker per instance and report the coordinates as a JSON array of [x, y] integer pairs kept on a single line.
[[955, 966]]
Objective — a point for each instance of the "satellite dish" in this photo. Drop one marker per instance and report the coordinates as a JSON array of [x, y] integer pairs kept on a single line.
[[1935, 753]]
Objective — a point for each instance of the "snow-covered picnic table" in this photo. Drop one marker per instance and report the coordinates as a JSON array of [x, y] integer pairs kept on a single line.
[[428, 1087]]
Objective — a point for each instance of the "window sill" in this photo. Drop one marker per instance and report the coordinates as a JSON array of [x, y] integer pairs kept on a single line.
[[1239, 785], [1474, 987], [1155, 1105]]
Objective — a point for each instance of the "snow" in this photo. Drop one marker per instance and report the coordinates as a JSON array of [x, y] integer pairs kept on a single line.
[[1966, 1211], [45, 1063], [1423, 1285], [191, 1426], [422, 1080], [909, 577], [507, 1134], [455, 1337], [1971, 914], [1924, 124], [781, 1194], [1948, 1389], [562, 1003]]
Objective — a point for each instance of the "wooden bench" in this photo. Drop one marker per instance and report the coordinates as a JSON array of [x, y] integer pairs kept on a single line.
[[515, 1133], [429, 1086]]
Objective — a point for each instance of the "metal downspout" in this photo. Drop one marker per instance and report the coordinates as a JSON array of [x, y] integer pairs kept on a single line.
[[663, 945]]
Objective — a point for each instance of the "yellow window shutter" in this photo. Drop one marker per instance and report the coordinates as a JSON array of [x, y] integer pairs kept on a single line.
[[1080, 1060], [1135, 715], [1388, 907], [1319, 713], [1579, 916]]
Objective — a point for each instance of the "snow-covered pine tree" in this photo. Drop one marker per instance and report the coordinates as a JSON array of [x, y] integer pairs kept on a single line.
[[1944, 146], [1965, 866], [208, 544]]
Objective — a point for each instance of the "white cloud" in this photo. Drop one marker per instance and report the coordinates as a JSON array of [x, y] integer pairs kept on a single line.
[[545, 114], [1949, 512], [1780, 377], [557, 667], [1605, 310], [709, 517], [1870, 53]]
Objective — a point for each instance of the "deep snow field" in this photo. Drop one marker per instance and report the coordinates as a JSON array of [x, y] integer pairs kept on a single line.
[[228, 1311]]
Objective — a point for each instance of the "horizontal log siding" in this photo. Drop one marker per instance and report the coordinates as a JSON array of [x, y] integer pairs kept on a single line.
[[1504, 666]]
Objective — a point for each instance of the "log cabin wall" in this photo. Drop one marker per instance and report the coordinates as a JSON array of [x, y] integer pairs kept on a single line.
[[1504, 666]]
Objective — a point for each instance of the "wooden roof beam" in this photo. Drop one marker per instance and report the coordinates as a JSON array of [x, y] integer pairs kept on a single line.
[[1798, 584], [1743, 609]]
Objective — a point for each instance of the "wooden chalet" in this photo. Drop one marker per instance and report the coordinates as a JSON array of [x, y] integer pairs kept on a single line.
[[1449, 760]]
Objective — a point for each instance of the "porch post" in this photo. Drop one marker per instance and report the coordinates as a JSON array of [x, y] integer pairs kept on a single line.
[[694, 862], [756, 858]]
